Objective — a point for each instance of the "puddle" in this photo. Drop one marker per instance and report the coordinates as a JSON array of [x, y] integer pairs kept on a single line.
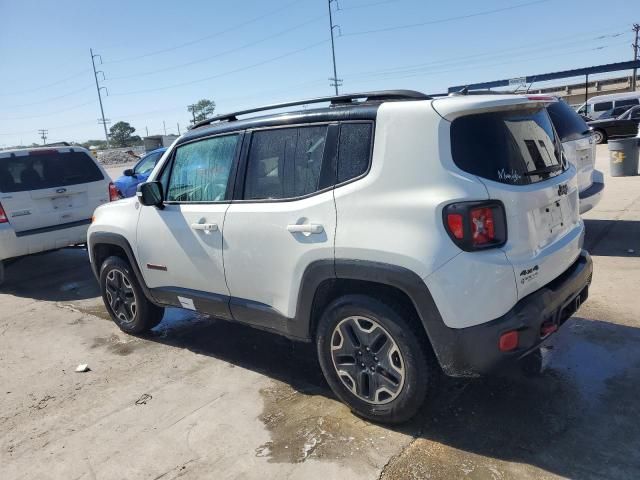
[[116, 345], [310, 425]]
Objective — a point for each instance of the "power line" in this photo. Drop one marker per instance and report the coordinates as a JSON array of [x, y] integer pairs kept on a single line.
[[366, 5], [226, 52], [444, 20], [468, 66], [476, 57], [211, 77], [206, 37], [36, 89], [48, 99], [57, 112]]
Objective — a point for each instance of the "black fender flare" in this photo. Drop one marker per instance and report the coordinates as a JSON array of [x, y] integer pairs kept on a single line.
[[115, 239], [411, 284]]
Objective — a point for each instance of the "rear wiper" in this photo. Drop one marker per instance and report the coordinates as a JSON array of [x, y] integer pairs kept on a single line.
[[542, 171]]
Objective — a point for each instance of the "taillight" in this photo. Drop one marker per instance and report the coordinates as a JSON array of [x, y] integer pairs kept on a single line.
[[114, 194], [476, 225], [3, 215]]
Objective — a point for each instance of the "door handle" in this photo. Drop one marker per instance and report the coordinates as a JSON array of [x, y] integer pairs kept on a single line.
[[205, 227], [306, 228]]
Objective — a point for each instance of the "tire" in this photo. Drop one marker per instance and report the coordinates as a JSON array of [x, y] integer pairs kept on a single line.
[[406, 364], [124, 299], [600, 136]]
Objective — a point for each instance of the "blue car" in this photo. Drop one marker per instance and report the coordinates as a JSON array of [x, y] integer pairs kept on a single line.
[[128, 183]]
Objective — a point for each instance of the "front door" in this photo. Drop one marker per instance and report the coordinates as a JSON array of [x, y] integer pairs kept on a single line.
[[180, 246], [285, 220]]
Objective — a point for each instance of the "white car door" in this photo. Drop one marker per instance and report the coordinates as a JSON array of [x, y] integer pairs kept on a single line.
[[285, 220], [180, 246]]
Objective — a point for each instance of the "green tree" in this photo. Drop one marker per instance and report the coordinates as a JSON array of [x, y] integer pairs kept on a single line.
[[201, 110], [121, 135]]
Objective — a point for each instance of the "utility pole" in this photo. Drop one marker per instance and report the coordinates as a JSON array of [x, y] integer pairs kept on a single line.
[[147, 129], [193, 111], [165, 128], [43, 135], [335, 81], [178, 128], [636, 28], [102, 120]]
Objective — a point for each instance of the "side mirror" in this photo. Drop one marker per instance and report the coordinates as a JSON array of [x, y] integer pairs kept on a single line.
[[150, 194], [129, 172]]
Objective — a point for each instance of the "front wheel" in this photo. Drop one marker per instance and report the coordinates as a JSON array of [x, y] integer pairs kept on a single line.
[[376, 358], [124, 298], [599, 136]]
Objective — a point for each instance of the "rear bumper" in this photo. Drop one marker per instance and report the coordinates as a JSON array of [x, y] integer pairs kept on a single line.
[[590, 197], [41, 240], [474, 351]]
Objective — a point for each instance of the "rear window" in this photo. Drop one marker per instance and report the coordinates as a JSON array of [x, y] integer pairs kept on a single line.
[[627, 103], [569, 125], [515, 147], [52, 169]]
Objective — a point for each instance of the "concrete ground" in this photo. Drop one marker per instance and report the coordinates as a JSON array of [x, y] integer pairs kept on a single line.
[[200, 398]]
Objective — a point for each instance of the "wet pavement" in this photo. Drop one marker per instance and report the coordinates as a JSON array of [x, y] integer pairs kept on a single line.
[[227, 401]]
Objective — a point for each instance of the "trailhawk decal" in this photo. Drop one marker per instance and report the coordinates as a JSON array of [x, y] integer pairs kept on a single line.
[[529, 274]]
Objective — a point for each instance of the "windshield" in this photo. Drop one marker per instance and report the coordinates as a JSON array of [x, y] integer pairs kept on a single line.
[[515, 147]]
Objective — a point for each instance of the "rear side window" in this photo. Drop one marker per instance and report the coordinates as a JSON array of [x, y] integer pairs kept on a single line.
[[47, 169], [628, 102], [569, 125], [602, 106], [354, 150], [515, 147], [285, 163]]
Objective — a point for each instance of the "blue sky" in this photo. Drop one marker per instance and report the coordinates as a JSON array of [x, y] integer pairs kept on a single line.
[[160, 56]]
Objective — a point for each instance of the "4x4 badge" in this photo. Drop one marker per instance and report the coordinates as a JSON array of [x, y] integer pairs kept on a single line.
[[563, 189]]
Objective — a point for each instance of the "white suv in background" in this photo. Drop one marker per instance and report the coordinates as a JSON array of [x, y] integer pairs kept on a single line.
[[404, 235], [47, 198], [579, 147]]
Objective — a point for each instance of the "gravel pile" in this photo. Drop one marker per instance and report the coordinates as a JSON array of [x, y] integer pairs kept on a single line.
[[117, 157]]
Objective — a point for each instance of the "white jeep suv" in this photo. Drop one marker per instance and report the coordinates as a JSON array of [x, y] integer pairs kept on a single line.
[[404, 235], [47, 198]]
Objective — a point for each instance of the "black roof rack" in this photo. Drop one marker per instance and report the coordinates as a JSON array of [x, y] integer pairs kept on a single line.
[[344, 99]]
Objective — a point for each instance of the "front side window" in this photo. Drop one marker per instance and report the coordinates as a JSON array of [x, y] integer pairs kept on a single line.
[[147, 163], [515, 147], [602, 107], [201, 170], [285, 163]]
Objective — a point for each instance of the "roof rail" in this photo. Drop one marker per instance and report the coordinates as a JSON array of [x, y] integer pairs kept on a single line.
[[379, 96]]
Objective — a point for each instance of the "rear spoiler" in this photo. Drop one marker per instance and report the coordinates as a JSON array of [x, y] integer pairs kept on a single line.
[[457, 105]]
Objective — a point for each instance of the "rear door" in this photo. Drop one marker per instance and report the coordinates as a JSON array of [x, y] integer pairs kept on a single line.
[[284, 220], [518, 157], [42, 188]]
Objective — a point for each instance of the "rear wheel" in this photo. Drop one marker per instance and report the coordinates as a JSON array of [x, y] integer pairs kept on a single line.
[[124, 298], [599, 136], [375, 358]]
